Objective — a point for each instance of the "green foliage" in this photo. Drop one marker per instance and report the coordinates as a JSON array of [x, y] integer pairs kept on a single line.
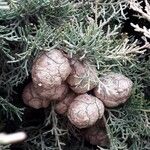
[[128, 124], [25, 31], [47, 135], [6, 147], [19, 10], [88, 30], [10, 110]]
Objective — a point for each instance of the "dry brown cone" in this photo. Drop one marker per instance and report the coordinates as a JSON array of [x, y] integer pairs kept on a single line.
[[85, 110], [56, 93], [83, 77], [32, 99], [114, 89], [63, 105], [97, 134], [50, 69]]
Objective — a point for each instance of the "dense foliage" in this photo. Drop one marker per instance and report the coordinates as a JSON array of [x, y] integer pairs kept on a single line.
[[88, 30]]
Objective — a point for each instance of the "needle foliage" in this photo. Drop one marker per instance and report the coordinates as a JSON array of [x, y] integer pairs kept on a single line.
[[89, 30]]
